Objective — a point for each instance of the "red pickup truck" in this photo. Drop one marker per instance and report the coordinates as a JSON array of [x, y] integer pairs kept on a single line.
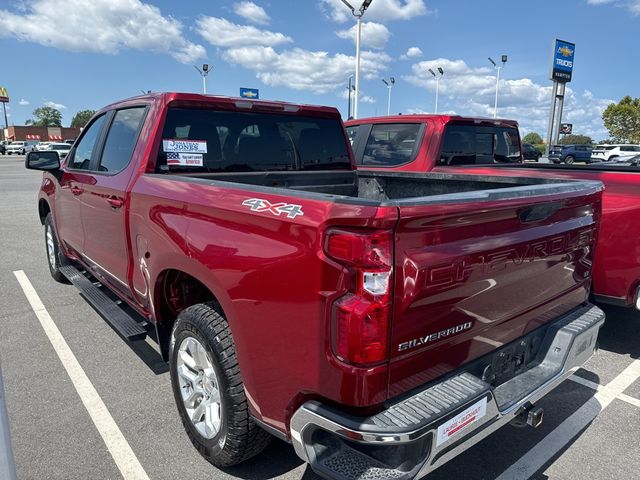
[[444, 143], [376, 321]]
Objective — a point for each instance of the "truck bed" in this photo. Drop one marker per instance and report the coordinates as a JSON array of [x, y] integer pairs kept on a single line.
[[393, 189]]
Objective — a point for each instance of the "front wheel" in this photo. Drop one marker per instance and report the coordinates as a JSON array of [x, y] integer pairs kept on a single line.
[[569, 160], [55, 258], [208, 388]]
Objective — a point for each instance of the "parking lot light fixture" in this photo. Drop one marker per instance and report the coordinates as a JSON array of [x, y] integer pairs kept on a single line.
[[389, 83], [204, 71], [438, 77], [498, 68], [358, 14]]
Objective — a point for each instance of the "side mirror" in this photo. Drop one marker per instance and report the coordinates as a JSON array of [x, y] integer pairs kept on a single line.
[[44, 160]]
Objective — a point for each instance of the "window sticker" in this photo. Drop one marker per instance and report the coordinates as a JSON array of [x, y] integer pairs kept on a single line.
[[184, 146], [184, 159]]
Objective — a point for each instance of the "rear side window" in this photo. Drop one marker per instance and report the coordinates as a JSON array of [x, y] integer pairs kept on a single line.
[[351, 133], [389, 145], [477, 144], [237, 141], [85, 148], [121, 139]]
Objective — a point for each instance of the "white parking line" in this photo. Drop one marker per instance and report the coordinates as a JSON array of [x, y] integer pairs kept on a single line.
[[555, 441], [631, 400], [118, 446]]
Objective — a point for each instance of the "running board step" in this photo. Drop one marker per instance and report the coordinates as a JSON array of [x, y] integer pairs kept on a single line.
[[122, 323]]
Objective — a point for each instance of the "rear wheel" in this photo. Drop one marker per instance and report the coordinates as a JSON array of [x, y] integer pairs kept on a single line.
[[55, 258], [208, 388], [569, 159]]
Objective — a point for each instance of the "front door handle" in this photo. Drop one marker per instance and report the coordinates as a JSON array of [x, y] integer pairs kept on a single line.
[[76, 190], [115, 202]]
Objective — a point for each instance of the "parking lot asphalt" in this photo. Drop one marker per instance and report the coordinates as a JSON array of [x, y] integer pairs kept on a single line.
[[590, 430]]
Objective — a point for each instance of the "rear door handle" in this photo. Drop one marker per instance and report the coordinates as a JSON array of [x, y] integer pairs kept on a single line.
[[76, 190], [115, 202]]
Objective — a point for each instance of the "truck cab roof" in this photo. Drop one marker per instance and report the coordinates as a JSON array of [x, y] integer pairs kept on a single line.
[[224, 102], [438, 118]]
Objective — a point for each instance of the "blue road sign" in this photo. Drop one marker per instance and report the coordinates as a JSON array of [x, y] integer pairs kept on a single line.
[[252, 93], [562, 67]]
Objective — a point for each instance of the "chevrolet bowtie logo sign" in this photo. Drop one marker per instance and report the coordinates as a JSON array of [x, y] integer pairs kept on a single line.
[[252, 93]]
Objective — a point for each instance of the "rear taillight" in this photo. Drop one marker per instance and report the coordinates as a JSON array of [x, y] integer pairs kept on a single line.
[[360, 330]]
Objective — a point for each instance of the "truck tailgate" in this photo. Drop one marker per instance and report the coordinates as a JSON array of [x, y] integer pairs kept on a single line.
[[472, 276]]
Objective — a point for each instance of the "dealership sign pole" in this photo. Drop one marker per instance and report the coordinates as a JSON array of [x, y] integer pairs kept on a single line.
[[4, 98], [561, 71]]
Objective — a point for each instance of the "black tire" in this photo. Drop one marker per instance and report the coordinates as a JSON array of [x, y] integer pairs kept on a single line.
[[239, 437], [55, 259], [569, 159]]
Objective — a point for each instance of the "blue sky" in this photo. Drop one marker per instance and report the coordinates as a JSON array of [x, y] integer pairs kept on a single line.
[[84, 54]]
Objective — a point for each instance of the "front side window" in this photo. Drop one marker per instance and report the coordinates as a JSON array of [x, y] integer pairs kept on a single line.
[[389, 145], [81, 159], [121, 139]]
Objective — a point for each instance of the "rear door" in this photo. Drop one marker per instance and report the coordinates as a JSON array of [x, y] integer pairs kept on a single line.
[[104, 200], [473, 276]]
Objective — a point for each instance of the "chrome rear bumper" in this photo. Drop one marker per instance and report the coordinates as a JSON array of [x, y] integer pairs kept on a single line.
[[415, 436]]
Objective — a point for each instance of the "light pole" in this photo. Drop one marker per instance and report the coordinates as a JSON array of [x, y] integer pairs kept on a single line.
[[498, 68], [358, 14], [438, 78], [389, 84], [203, 73], [350, 87]]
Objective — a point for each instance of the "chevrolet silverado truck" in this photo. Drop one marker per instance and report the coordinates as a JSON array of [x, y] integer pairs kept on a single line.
[[375, 321], [444, 143]]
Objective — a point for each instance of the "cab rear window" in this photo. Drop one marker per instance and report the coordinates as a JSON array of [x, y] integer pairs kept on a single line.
[[479, 144], [219, 141]]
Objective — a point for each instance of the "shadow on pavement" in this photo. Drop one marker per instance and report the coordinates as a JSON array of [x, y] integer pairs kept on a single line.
[[621, 331]]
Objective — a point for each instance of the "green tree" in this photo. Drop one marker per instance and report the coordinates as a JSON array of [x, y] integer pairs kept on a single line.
[[575, 140], [46, 117], [532, 138], [622, 119], [81, 118]]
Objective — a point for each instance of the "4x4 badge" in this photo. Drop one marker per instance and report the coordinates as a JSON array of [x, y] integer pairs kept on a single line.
[[277, 209]]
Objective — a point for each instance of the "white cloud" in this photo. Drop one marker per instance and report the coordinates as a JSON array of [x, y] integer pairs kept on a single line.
[[471, 91], [23, 102], [252, 12], [99, 26], [632, 5], [363, 97], [374, 35], [380, 10], [412, 52], [314, 71], [57, 106], [220, 32]]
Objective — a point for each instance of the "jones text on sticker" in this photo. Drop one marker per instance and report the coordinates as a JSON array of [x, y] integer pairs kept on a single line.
[[184, 146]]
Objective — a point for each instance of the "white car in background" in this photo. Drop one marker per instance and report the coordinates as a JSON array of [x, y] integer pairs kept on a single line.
[[43, 146], [609, 152], [61, 148]]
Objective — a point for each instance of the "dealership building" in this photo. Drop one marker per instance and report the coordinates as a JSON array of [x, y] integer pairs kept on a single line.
[[44, 134]]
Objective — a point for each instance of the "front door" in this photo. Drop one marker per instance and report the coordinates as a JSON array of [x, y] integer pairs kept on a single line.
[[104, 205], [76, 175]]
